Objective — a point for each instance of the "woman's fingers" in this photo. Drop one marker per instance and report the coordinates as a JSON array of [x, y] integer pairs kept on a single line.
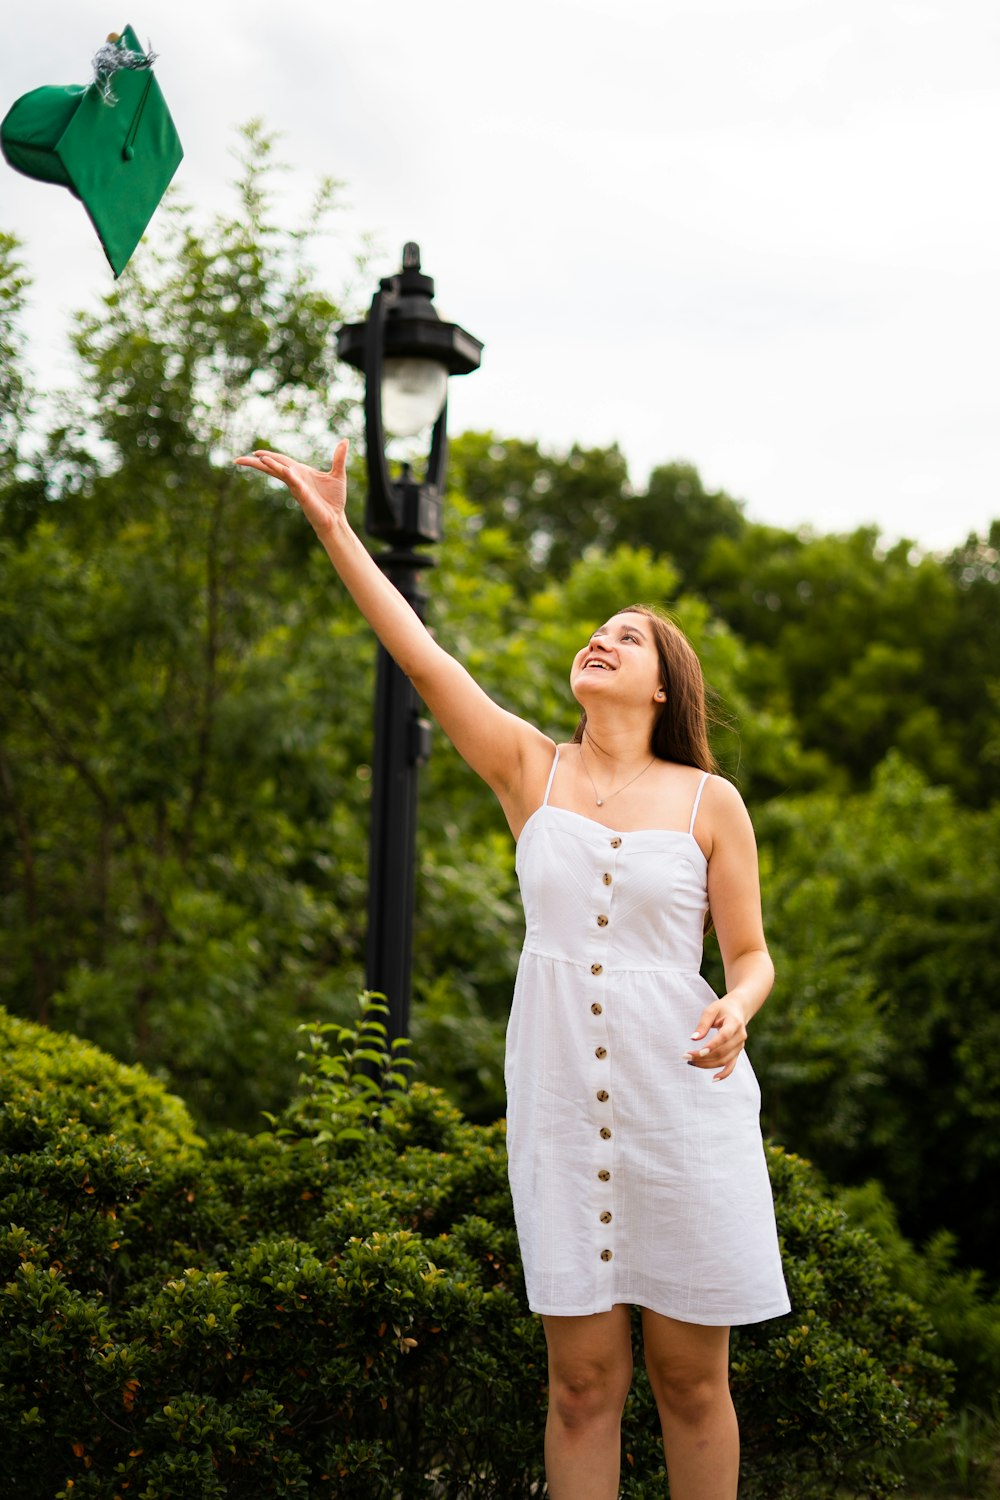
[[275, 466], [339, 466], [724, 1048], [321, 494], [270, 459], [282, 466], [708, 1020], [269, 455]]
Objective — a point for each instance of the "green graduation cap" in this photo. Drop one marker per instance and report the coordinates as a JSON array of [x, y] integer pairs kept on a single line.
[[111, 142]]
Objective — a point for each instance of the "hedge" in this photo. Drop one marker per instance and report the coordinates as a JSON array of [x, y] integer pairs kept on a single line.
[[103, 1094], [335, 1307]]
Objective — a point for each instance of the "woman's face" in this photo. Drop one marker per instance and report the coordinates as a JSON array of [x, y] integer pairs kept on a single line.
[[619, 663]]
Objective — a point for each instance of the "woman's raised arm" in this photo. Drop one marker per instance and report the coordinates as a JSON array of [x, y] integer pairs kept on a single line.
[[503, 749]]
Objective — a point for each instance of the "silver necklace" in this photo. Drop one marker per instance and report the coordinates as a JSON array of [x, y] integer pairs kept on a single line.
[[597, 796]]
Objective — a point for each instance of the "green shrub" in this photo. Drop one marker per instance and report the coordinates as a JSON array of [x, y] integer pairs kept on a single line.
[[831, 1395], [82, 1082], [966, 1310], [335, 1307]]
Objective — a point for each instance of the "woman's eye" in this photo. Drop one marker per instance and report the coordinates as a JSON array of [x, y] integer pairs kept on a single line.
[[627, 635]]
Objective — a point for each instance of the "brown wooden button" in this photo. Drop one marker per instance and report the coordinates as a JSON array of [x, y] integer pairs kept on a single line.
[[597, 968], [605, 1217], [602, 921], [616, 843], [600, 1052], [603, 1095], [596, 1008], [606, 877], [605, 1133], [604, 1175], [606, 1254]]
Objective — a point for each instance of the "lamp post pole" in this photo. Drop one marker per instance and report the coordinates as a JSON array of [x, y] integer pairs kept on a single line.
[[406, 352], [402, 745]]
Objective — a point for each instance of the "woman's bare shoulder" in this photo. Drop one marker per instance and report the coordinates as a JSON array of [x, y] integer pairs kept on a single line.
[[723, 795], [722, 816]]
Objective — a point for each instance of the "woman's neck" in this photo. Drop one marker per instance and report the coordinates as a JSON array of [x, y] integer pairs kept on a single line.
[[617, 740]]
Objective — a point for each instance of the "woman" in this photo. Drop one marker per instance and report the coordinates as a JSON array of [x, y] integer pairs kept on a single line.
[[636, 1163]]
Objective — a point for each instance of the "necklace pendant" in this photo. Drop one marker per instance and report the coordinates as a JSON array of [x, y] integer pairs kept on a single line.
[[600, 801]]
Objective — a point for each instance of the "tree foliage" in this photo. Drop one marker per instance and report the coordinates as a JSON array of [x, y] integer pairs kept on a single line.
[[13, 391], [878, 1048], [168, 708]]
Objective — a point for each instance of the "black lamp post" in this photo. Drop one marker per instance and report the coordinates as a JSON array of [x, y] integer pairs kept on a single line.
[[406, 353]]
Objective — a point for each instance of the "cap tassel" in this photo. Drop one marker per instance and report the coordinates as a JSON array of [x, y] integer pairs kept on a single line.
[[109, 59]]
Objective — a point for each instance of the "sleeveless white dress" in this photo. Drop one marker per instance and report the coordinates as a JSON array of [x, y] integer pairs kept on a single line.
[[636, 1178]]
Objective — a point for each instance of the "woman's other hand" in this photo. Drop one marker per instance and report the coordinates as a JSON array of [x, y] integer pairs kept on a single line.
[[726, 1045]]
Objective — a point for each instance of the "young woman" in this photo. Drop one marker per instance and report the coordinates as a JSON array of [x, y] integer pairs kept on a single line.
[[635, 1155]]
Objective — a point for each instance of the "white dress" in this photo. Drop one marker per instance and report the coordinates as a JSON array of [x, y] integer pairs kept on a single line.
[[636, 1178]]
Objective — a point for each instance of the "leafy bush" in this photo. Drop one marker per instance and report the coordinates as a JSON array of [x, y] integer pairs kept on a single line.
[[51, 1070], [966, 1310], [335, 1307]]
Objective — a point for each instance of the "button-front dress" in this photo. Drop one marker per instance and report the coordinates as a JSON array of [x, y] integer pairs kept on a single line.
[[636, 1178]]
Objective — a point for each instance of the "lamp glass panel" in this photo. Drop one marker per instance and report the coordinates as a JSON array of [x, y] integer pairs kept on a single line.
[[413, 393]]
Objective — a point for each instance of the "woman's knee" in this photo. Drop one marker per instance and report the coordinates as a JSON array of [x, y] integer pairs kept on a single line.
[[688, 1368], [590, 1366], [585, 1391], [691, 1397]]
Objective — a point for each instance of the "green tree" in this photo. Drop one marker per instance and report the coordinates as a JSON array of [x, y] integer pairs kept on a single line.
[[553, 506], [187, 869], [678, 518], [17, 503], [856, 640], [13, 391], [969, 684], [877, 1046]]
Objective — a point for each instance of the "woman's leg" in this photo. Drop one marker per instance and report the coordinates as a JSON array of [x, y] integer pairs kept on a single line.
[[688, 1368], [590, 1371]]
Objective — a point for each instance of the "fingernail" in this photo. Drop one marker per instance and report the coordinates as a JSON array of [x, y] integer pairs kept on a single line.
[[688, 1056]]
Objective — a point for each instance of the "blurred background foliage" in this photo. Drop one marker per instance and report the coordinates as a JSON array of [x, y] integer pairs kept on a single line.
[[185, 706]]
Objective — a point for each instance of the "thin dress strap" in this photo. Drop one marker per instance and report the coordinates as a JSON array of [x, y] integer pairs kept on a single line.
[[548, 784], [697, 800]]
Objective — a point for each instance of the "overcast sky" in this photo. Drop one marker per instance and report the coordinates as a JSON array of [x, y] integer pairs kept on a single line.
[[760, 237]]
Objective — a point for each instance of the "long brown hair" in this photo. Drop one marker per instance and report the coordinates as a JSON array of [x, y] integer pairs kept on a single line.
[[680, 730]]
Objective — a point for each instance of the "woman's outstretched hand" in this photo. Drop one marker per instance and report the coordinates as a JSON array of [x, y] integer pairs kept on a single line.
[[322, 496]]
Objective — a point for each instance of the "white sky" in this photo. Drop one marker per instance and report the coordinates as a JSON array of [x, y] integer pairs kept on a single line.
[[761, 237]]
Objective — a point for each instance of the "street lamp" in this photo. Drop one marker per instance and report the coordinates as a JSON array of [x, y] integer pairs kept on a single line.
[[406, 353]]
